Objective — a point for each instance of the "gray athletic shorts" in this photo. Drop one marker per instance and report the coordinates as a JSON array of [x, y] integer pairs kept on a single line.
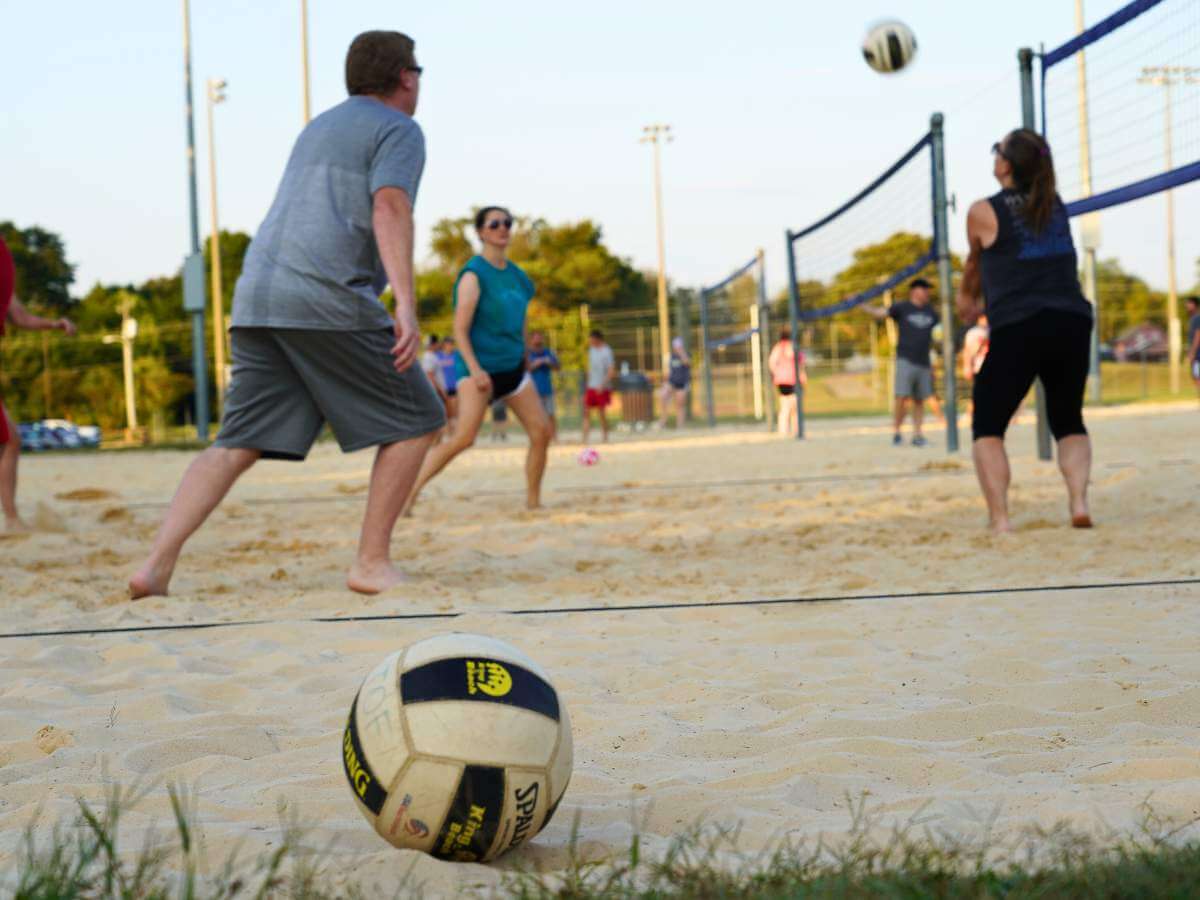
[[287, 383], [548, 404], [913, 381]]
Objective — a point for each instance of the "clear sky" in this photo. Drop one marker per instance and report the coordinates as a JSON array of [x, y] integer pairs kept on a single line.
[[537, 105]]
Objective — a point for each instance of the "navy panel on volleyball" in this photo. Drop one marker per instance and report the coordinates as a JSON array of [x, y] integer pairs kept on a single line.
[[831, 265], [1142, 81]]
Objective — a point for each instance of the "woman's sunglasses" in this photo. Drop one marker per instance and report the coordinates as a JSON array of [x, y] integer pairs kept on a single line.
[[498, 223]]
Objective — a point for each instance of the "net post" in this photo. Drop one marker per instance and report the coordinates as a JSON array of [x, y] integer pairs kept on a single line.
[[709, 404], [794, 316], [1029, 120], [764, 330], [941, 237]]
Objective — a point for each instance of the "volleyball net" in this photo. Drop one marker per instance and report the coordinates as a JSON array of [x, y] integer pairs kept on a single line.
[[734, 335], [1121, 105]]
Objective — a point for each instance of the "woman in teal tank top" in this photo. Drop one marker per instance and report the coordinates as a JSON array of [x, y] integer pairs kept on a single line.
[[491, 297]]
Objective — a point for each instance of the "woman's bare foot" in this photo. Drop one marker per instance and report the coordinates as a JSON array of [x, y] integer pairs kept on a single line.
[[150, 581], [1081, 520], [374, 578], [1000, 526], [15, 525]]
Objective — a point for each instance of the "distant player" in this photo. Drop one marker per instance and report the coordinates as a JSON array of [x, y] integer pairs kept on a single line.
[[491, 298], [311, 341], [12, 311], [602, 369], [915, 320], [782, 363], [543, 363], [445, 355], [432, 367], [675, 389], [1193, 353], [1022, 259]]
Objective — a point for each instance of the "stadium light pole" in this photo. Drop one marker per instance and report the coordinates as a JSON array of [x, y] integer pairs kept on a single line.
[[657, 135], [304, 59], [1168, 77], [1090, 224], [193, 265], [216, 94]]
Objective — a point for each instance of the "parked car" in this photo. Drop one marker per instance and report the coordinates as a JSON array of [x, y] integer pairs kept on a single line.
[[57, 434]]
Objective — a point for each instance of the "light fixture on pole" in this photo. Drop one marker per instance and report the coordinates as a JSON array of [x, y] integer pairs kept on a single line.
[[656, 135], [216, 94], [1168, 77]]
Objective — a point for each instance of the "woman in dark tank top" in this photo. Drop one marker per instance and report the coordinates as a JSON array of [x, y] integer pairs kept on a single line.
[[1022, 270]]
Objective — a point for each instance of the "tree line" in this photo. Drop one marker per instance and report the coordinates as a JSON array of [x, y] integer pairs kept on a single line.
[[48, 376]]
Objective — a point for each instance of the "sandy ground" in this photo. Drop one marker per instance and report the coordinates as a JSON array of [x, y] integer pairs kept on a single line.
[[1021, 707]]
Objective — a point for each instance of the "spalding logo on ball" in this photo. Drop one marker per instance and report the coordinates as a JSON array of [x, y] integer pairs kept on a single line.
[[457, 746], [589, 456], [889, 46]]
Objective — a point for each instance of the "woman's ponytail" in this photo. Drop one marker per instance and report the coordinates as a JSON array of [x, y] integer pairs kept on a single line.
[[1033, 173]]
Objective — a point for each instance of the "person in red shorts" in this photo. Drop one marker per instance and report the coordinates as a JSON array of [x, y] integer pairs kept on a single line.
[[12, 311], [602, 368]]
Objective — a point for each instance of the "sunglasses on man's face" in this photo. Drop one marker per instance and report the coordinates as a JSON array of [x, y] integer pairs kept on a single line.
[[417, 69], [496, 224]]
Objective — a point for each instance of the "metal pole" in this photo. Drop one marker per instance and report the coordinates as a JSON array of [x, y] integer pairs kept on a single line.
[[216, 94], [128, 331], [655, 134], [1174, 331], [756, 374], [794, 317], [941, 232], [304, 57], [1045, 449], [764, 326], [1090, 226], [199, 357], [709, 401]]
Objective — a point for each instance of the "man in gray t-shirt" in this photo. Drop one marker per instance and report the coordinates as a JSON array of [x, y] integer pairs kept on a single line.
[[312, 343], [602, 367]]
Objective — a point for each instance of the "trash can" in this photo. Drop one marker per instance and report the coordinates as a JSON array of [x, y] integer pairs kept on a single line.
[[637, 398]]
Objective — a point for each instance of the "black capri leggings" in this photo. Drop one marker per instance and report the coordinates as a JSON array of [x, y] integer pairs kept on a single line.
[[1053, 346]]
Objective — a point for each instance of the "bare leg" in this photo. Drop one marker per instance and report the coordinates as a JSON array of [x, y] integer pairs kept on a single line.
[[10, 452], [205, 483], [918, 415], [528, 409], [664, 400], [783, 415], [898, 415], [472, 407], [680, 405], [587, 425], [603, 425], [991, 467], [1075, 462], [392, 477]]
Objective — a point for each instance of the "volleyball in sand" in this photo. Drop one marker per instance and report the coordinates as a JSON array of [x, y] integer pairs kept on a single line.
[[458, 746], [589, 456]]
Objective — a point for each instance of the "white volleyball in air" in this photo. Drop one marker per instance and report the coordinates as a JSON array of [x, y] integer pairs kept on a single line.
[[458, 746], [889, 46]]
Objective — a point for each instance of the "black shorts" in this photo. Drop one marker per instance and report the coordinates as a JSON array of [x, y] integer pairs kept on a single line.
[[505, 384], [785, 390], [1053, 346]]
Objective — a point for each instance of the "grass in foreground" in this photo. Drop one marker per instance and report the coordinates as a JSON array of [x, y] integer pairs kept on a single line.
[[81, 859]]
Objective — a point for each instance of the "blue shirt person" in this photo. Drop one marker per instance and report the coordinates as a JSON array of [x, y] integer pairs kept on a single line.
[[542, 362]]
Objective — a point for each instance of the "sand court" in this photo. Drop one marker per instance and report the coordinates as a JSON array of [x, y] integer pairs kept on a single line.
[[964, 706]]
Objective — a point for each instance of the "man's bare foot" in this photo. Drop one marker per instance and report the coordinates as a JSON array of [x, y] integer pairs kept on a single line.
[[15, 525], [150, 581], [1000, 526], [374, 578], [1081, 520]]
